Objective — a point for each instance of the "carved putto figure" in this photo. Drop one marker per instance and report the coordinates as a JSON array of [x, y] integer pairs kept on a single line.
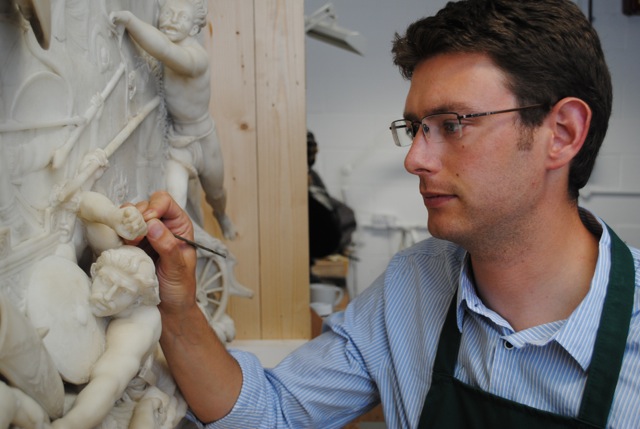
[[125, 289], [194, 147]]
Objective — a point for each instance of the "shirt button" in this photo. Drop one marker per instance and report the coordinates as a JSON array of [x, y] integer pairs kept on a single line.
[[507, 345]]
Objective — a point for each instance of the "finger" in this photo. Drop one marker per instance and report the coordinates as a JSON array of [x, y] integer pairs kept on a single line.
[[160, 237], [158, 205], [162, 206]]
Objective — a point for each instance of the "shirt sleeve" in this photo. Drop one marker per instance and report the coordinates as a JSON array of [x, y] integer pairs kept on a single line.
[[324, 383]]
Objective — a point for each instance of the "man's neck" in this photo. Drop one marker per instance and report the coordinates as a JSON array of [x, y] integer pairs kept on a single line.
[[542, 277]]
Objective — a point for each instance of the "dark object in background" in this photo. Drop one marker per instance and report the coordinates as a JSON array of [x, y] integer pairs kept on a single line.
[[331, 222], [631, 7]]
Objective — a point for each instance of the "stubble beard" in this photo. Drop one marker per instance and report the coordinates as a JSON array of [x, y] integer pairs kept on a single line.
[[484, 234]]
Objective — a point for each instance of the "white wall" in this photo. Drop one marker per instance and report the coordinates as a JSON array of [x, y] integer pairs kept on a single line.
[[352, 99]]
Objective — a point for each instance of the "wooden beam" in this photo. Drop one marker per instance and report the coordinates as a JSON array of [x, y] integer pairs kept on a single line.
[[258, 103]]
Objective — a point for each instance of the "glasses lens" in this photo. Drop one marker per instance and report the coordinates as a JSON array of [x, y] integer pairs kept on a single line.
[[442, 128], [403, 132]]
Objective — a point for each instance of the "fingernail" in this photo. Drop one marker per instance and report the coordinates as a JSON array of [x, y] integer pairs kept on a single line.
[[154, 228]]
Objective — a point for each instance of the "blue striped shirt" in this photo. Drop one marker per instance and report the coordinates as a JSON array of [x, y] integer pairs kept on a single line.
[[383, 346]]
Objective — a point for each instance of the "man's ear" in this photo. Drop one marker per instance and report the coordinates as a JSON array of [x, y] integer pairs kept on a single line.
[[194, 30], [569, 120]]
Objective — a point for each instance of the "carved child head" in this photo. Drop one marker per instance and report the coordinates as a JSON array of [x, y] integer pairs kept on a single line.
[[123, 278], [180, 19]]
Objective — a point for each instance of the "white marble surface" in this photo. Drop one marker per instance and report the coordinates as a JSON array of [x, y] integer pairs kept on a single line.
[[84, 128]]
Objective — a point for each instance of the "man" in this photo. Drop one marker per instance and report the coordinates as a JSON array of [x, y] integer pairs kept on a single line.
[[520, 312], [194, 147]]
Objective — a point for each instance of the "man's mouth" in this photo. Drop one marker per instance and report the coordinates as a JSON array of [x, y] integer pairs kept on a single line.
[[435, 200]]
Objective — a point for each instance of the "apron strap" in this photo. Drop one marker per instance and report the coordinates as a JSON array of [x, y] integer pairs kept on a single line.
[[448, 344], [611, 339]]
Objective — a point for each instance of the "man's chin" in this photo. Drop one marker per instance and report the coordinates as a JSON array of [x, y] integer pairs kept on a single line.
[[435, 229], [442, 232]]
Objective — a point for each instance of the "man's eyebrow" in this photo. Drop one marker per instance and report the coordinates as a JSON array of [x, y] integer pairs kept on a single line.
[[460, 108], [411, 116]]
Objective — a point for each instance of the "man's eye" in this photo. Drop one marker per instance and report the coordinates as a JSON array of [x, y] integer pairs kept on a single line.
[[450, 127], [409, 129]]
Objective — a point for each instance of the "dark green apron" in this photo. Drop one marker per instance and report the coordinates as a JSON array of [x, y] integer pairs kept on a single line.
[[452, 404]]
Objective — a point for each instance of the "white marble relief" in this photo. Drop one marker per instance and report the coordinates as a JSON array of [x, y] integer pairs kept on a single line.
[[91, 119]]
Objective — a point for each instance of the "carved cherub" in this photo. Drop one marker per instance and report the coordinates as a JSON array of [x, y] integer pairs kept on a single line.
[[194, 147], [124, 288]]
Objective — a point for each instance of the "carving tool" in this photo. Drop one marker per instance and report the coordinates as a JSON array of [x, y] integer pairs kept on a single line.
[[199, 246]]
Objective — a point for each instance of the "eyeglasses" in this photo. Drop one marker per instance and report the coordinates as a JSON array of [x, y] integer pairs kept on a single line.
[[440, 127]]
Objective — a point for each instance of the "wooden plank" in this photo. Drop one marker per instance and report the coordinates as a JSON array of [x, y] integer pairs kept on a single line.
[[229, 39], [258, 103], [282, 169]]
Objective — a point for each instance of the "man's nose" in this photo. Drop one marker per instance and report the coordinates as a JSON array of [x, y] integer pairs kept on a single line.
[[423, 155]]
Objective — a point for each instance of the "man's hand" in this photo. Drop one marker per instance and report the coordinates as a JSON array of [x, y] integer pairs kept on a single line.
[[176, 262]]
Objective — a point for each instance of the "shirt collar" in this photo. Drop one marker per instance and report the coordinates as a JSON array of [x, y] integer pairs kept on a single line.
[[577, 335]]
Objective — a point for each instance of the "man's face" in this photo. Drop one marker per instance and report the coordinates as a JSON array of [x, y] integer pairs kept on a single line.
[[177, 19], [490, 179], [112, 292]]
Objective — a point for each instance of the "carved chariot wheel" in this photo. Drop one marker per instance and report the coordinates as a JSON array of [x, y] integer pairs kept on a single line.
[[212, 286]]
